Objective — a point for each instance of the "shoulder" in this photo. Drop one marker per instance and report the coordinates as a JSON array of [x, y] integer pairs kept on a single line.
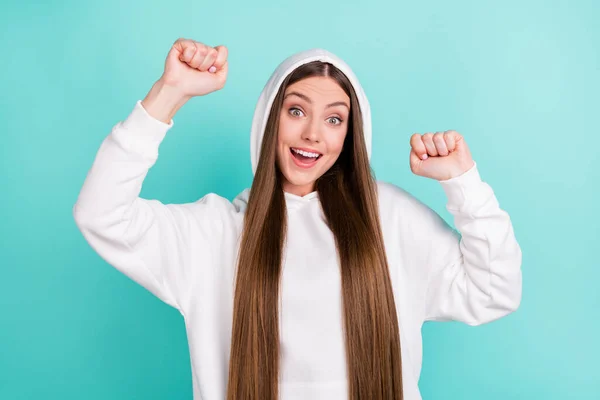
[[212, 215], [213, 203], [397, 203], [393, 197], [389, 190]]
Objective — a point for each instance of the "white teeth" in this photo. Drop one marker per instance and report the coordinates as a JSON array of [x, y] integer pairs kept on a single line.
[[306, 153]]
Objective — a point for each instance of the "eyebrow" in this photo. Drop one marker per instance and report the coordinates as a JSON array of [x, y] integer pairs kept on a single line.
[[304, 97]]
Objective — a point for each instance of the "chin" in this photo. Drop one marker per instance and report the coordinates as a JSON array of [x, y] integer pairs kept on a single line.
[[298, 182], [301, 182]]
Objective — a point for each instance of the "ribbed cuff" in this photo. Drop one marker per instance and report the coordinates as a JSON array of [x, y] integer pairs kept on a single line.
[[140, 132], [457, 188]]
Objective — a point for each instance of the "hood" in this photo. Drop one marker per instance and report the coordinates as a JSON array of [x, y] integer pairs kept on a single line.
[[265, 101]]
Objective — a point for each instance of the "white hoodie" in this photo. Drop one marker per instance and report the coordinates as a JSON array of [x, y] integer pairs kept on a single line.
[[185, 255]]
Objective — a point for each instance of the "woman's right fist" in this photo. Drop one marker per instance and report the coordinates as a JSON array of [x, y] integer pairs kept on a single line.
[[194, 68]]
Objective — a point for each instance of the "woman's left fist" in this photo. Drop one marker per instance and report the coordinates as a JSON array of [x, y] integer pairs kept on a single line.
[[439, 156]]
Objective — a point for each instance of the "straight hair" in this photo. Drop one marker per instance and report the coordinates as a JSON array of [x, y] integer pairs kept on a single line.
[[348, 196]]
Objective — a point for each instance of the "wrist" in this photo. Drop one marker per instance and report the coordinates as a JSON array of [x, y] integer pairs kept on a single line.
[[163, 101], [459, 172]]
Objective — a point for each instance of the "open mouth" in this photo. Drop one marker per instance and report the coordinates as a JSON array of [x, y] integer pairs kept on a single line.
[[304, 158]]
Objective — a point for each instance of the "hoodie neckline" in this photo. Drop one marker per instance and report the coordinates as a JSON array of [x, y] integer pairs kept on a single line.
[[294, 200], [291, 200]]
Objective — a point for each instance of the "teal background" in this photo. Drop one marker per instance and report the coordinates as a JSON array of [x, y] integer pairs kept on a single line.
[[519, 79]]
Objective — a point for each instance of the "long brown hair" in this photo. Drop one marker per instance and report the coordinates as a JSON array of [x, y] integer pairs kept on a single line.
[[348, 196]]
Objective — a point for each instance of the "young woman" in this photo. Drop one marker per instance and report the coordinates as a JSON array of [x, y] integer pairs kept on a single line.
[[315, 282]]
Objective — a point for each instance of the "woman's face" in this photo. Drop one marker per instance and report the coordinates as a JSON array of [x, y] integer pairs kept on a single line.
[[312, 127]]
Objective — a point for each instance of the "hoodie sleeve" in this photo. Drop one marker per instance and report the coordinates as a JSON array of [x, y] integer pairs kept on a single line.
[[145, 239], [473, 271]]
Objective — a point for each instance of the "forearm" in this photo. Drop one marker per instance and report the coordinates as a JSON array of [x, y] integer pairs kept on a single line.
[[475, 277], [120, 166], [163, 101]]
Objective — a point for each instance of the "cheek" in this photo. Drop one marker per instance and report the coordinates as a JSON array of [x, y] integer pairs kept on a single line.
[[280, 150], [285, 138], [336, 144], [282, 134], [287, 132]]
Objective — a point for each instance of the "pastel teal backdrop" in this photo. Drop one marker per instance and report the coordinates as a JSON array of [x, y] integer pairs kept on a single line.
[[519, 79]]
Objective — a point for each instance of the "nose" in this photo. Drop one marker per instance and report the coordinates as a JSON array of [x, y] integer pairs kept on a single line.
[[312, 131]]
